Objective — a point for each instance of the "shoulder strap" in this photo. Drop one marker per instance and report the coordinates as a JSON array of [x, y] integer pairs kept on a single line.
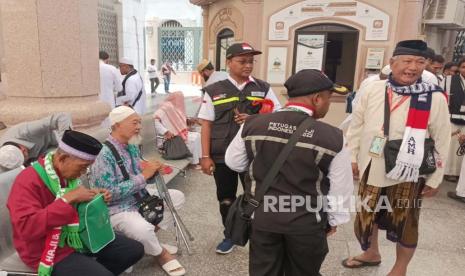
[[138, 95], [130, 74], [119, 160], [278, 163], [387, 114]]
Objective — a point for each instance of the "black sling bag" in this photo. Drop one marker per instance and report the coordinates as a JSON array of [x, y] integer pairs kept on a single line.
[[151, 207], [238, 223]]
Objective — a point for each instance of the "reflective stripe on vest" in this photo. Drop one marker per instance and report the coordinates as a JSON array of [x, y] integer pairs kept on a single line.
[[234, 99]]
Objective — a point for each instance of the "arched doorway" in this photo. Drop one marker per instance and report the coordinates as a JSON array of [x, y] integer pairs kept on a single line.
[[223, 40], [331, 48]]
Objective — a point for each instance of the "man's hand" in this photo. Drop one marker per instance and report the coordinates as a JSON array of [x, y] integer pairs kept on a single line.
[[429, 192], [331, 231], [192, 121], [151, 168], [106, 194], [239, 118], [80, 194], [168, 135], [355, 170], [208, 166]]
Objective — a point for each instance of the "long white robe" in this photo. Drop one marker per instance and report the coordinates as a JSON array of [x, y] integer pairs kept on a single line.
[[110, 82], [134, 85]]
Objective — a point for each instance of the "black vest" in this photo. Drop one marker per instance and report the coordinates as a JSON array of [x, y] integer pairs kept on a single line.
[[456, 101], [304, 173], [225, 98]]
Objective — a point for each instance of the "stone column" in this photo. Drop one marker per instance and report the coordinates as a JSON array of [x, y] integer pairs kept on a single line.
[[409, 20], [50, 50], [206, 31]]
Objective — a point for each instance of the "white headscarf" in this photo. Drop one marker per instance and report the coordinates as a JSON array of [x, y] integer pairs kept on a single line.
[[11, 157]]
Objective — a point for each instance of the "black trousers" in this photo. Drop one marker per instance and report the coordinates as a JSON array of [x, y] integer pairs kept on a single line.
[[274, 254], [226, 181], [114, 259], [154, 83]]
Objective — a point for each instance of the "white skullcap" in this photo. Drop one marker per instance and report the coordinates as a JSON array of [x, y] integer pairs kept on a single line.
[[386, 70], [120, 113], [126, 60], [11, 157]]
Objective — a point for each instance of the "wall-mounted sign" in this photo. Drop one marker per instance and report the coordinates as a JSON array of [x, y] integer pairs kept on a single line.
[[277, 64], [375, 58], [310, 51], [376, 22]]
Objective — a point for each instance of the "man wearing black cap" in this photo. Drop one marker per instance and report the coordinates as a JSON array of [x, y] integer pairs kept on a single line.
[[287, 237], [43, 213], [225, 106], [399, 138]]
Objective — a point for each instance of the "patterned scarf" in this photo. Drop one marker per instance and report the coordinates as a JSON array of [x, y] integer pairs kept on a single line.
[[58, 236], [411, 151]]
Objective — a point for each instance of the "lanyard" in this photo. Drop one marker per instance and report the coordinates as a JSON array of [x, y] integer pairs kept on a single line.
[[388, 109], [402, 100]]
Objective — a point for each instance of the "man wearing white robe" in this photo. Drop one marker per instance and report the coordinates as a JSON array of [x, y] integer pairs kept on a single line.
[[134, 87], [110, 80]]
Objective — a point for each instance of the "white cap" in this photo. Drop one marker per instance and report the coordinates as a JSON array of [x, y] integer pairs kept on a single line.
[[11, 157], [126, 60], [120, 113], [386, 70]]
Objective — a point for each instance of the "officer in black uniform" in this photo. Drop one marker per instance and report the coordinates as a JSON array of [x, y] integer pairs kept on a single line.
[[288, 237], [225, 106]]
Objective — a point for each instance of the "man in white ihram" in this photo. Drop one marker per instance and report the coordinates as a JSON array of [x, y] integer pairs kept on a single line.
[[133, 92]]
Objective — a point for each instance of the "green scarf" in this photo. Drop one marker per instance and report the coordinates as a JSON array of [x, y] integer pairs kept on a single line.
[[59, 236]]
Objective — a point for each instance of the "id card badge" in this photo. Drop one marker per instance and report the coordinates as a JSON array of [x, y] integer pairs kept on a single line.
[[377, 146], [462, 108]]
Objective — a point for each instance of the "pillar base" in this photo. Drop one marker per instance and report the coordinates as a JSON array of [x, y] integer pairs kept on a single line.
[[86, 112]]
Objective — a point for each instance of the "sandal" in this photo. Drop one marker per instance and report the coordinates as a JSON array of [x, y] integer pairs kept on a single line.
[[172, 268], [361, 263]]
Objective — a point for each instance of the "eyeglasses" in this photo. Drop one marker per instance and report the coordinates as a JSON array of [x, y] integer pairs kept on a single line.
[[245, 61]]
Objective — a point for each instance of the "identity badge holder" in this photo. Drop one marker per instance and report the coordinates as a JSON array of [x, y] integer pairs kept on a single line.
[[377, 146]]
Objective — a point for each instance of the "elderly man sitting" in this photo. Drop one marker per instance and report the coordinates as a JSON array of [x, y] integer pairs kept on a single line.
[[43, 211], [124, 215]]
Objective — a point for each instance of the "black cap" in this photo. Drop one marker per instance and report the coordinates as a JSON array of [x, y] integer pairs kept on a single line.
[[309, 81], [429, 53], [239, 49], [80, 144], [411, 47]]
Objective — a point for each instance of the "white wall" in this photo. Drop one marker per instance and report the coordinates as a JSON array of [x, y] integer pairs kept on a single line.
[[132, 31], [441, 41], [174, 9]]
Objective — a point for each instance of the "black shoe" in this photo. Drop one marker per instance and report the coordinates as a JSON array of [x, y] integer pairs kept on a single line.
[[453, 195]]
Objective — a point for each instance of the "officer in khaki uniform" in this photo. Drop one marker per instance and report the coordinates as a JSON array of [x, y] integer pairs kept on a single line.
[[289, 238], [225, 106]]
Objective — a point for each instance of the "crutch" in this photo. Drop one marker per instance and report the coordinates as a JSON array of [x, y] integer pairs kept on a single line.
[[180, 227]]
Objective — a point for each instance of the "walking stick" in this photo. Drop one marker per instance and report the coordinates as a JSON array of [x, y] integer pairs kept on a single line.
[[182, 233]]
